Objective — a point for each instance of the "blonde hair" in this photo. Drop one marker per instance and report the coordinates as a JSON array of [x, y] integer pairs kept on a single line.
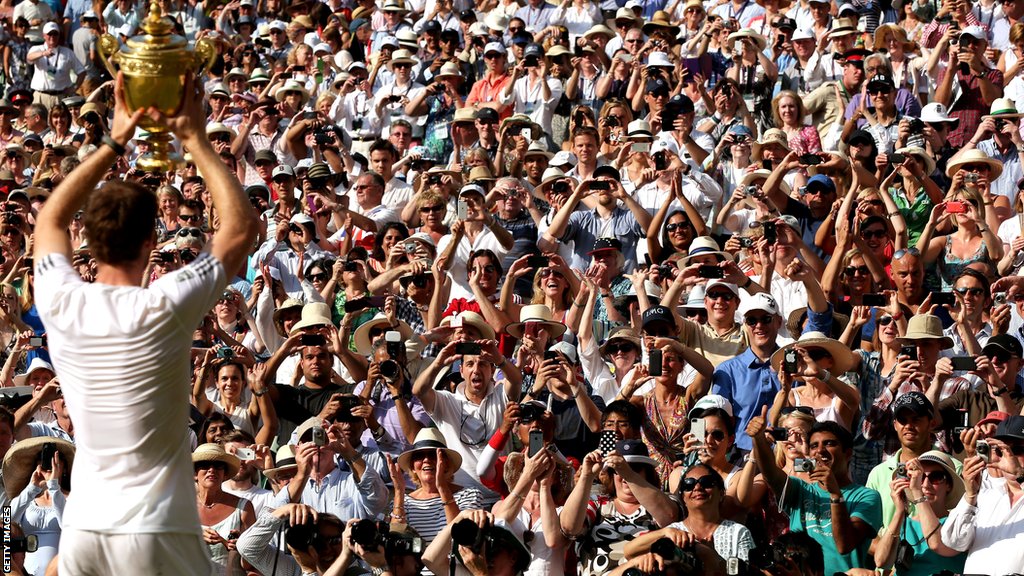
[[804, 419]]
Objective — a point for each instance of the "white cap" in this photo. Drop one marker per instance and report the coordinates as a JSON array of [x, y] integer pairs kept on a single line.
[[278, 25], [495, 47], [708, 402], [90, 14], [283, 169], [760, 301], [322, 47], [802, 34], [563, 158], [389, 41], [50, 27], [659, 59], [936, 112], [246, 3], [730, 287], [976, 31]]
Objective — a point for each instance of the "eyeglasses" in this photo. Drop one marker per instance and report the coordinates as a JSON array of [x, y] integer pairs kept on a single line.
[[624, 347], [215, 465], [677, 226], [428, 209], [190, 217], [706, 482], [220, 138], [193, 232], [854, 270], [975, 167], [632, 41], [970, 291], [695, 312], [904, 251], [274, 32], [879, 91], [321, 277], [801, 409], [1001, 357], [419, 281], [546, 272], [935, 477], [716, 435], [724, 296], [401, 65], [869, 234], [885, 320], [755, 320], [512, 30]]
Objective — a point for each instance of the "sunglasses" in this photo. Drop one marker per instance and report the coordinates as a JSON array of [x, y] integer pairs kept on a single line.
[[420, 281], [725, 296], [677, 226], [885, 320], [625, 348], [401, 65], [705, 482], [869, 234], [545, 272], [193, 232], [904, 251], [1001, 357], [935, 477], [220, 138], [428, 209], [854, 270], [879, 91], [190, 217], [801, 409], [755, 320], [215, 465], [321, 277], [695, 313], [716, 435], [970, 291]]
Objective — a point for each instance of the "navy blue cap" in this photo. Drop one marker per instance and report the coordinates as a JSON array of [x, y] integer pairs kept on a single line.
[[657, 85], [820, 181]]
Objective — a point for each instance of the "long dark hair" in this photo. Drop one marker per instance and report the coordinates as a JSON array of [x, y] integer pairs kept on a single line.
[[378, 239]]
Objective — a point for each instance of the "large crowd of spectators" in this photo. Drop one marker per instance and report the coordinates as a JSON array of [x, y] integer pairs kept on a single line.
[[646, 287]]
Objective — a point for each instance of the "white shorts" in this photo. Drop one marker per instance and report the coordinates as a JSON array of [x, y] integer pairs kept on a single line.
[[94, 554]]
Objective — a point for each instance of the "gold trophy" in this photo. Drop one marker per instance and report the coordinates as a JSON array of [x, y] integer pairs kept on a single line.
[[155, 64]]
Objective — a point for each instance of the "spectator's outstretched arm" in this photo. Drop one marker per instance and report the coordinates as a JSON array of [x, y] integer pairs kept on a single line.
[[52, 222]]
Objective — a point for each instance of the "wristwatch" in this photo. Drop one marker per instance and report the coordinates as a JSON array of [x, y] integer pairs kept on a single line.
[[837, 499]]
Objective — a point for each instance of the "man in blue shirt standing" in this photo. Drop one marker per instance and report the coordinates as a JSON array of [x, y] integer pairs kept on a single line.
[[748, 380]]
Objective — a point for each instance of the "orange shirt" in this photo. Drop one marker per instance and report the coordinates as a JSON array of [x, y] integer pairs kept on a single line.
[[487, 90]]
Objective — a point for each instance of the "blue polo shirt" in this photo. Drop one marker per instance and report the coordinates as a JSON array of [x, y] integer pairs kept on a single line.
[[749, 384]]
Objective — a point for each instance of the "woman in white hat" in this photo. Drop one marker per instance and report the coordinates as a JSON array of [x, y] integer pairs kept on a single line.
[[973, 239], [931, 488], [820, 362], [437, 499], [38, 492], [553, 286], [438, 102], [755, 74], [223, 516]]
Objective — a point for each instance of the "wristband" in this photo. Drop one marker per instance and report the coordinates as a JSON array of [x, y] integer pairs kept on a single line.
[[498, 440], [113, 145]]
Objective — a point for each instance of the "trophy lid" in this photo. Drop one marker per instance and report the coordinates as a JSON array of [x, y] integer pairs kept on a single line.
[[157, 33]]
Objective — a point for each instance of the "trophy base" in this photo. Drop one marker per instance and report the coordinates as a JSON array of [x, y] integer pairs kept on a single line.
[[161, 157]]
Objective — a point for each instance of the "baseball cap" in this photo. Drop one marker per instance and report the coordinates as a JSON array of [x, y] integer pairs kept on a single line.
[[567, 349], [821, 182], [914, 401], [533, 50], [1005, 343], [993, 417], [657, 85], [473, 189], [489, 114], [709, 402], [760, 301], [283, 169], [723, 284], [1010, 429], [607, 170], [606, 244], [493, 47], [51, 27], [881, 81], [976, 32], [563, 158], [657, 314], [265, 155]]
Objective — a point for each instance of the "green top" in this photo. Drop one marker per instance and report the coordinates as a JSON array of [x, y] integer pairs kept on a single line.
[[916, 214]]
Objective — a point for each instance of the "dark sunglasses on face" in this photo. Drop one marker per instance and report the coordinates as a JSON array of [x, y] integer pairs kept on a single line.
[[695, 313], [190, 217], [854, 270], [624, 348], [295, 228], [869, 234], [802, 409], [321, 277], [970, 291], [220, 138], [885, 320], [935, 477], [677, 226], [755, 320], [705, 482], [428, 209], [726, 296], [1000, 357], [194, 232]]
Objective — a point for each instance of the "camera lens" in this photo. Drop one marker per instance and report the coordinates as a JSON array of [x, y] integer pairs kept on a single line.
[[465, 532], [367, 534], [389, 370]]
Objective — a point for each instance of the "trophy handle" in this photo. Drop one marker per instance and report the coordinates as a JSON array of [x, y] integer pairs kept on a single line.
[[107, 47], [205, 54]]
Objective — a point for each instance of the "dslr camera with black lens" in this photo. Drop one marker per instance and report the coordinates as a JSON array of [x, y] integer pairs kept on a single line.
[[372, 535], [466, 533], [302, 536], [530, 412], [677, 561]]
